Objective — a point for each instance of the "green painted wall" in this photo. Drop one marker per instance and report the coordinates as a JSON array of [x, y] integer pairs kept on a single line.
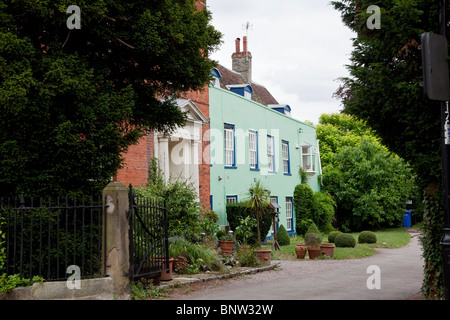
[[229, 108]]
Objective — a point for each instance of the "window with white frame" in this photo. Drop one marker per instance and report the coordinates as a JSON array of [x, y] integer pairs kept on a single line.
[[308, 159], [229, 146], [253, 149], [271, 153], [285, 155], [289, 213]]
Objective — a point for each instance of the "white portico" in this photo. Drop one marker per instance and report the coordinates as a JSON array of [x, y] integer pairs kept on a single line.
[[180, 153]]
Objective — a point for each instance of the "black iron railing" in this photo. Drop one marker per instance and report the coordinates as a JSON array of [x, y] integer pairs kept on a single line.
[[46, 236]]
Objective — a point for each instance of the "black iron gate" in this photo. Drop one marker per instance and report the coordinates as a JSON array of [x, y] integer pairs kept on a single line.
[[148, 234]]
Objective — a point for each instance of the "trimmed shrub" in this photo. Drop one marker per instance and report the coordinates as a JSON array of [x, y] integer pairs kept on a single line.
[[312, 229], [303, 207], [367, 237], [332, 235], [313, 237], [345, 240], [283, 236]]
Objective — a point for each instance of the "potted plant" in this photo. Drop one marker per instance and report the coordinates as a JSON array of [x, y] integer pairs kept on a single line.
[[257, 201], [313, 239], [226, 241]]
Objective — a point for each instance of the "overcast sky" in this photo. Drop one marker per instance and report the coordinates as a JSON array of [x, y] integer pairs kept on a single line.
[[299, 49]]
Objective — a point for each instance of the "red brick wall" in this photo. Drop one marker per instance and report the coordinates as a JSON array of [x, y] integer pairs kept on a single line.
[[136, 163]]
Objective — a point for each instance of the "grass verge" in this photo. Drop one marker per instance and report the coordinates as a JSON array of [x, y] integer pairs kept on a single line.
[[386, 238]]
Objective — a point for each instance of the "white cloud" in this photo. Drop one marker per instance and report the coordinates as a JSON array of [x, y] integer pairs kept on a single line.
[[299, 49]]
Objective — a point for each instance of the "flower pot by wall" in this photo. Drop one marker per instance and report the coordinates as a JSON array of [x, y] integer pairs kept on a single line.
[[263, 255], [327, 249], [165, 275], [313, 253], [226, 246], [300, 250]]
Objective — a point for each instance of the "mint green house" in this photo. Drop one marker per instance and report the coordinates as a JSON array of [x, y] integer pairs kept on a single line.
[[252, 137]]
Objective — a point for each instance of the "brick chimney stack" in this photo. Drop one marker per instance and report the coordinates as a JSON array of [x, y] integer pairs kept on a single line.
[[242, 60]]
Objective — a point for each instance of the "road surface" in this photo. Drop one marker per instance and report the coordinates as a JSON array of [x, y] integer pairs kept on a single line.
[[391, 274]]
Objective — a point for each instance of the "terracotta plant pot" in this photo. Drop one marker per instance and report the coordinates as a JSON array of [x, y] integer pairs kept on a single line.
[[165, 275], [263, 255], [313, 253], [327, 249], [300, 250], [226, 246]]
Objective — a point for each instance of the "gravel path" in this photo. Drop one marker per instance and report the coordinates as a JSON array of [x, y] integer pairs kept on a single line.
[[401, 274]]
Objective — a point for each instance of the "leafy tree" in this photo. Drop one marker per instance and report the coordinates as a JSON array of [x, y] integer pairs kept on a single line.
[[384, 87], [370, 186], [336, 131], [72, 101]]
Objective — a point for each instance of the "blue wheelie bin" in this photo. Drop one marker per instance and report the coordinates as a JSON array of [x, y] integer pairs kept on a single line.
[[407, 219]]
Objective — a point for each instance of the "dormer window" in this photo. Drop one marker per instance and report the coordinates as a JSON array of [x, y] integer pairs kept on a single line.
[[281, 108], [244, 90], [216, 77]]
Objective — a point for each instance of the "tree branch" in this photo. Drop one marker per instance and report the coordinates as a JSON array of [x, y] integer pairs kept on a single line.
[[124, 43]]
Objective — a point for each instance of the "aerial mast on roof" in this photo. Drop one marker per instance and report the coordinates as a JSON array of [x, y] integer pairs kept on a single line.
[[247, 26]]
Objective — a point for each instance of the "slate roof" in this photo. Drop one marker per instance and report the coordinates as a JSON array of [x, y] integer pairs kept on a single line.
[[260, 93]]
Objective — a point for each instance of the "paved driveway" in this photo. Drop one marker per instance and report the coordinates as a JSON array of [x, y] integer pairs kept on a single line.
[[393, 274]]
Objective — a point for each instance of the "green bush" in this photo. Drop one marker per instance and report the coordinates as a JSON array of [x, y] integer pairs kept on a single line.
[[367, 237], [323, 207], [313, 240], [7, 283], [312, 229], [313, 236], [332, 235], [303, 207], [195, 255], [283, 236], [247, 258], [244, 232], [238, 211], [345, 240], [183, 208]]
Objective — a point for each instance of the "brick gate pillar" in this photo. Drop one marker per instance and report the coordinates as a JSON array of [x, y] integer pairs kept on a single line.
[[116, 246]]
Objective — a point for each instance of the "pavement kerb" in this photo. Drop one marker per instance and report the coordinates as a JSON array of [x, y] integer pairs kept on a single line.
[[180, 280]]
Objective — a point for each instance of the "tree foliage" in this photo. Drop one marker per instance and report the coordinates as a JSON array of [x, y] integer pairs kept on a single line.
[[310, 207], [369, 184], [72, 101], [384, 87]]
